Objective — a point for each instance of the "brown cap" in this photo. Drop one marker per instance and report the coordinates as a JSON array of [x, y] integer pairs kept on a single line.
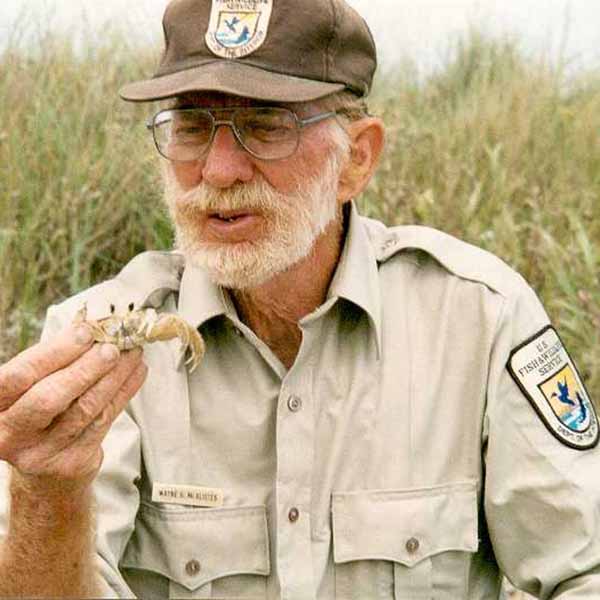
[[274, 50]]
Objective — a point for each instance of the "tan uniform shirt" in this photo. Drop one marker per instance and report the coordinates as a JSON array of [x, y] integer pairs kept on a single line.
[[397, 458]]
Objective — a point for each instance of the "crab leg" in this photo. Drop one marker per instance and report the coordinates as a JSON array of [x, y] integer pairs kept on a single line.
[[99, 334], [167, 327]]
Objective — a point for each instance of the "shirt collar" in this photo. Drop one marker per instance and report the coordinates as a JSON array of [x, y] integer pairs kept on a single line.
[[199, 298], [356, 278]]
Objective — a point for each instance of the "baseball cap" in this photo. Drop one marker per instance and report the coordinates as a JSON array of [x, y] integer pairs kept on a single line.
[[273, 50]]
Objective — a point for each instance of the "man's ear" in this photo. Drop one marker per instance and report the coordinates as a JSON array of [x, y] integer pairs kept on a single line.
[[367, 138]]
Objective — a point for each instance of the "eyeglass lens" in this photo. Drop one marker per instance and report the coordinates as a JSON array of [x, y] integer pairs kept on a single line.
[[186, 134]]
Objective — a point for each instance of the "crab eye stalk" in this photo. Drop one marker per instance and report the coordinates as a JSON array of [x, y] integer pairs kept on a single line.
[[131, 307], [112, 309]]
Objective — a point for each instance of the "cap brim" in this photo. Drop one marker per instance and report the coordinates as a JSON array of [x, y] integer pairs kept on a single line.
[[233, 78]]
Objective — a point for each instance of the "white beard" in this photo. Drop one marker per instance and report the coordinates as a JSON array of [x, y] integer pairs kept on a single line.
[[293, 223]]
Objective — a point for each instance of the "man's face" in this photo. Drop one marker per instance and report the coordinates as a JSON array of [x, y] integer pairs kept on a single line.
[[245, 220]]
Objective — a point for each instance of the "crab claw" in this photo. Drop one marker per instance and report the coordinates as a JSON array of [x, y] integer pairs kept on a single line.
[[168, 327]]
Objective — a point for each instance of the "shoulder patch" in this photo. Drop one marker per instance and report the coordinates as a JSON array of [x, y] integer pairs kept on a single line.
[[547, 376]]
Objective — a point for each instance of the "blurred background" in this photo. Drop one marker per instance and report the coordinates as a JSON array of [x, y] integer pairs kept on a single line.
[[418, 30], [493, 115]]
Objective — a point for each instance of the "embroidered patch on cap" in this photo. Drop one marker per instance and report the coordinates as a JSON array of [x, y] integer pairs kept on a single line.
[[238, 27], [546, 374]]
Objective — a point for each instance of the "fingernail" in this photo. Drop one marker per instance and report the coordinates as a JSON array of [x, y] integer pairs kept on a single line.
[[109, 352], [83, 335]]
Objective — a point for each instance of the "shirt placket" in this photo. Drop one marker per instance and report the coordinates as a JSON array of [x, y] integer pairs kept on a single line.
[[295, 455]]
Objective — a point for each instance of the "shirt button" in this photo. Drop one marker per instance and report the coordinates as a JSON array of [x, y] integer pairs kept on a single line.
[[294, 403], [412, 545], [192, 567], [293, 515]]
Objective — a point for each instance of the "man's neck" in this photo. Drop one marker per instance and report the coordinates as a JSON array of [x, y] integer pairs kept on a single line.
[[273, 309]]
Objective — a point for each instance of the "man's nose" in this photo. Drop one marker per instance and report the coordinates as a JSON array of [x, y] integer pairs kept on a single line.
[[226, 163]]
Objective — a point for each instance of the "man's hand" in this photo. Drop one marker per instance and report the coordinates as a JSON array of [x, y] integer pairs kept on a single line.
[[58, 400]]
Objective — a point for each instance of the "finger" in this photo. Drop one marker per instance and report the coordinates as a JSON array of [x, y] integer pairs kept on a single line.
[[91, 438], [69, 426], [51, 396], [80, 459], [101, 425], [26, 369]]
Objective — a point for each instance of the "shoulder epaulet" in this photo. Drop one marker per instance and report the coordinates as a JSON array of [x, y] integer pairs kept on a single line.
[[145, 281], [455, 256]]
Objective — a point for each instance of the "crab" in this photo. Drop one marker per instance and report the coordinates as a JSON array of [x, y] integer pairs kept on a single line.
[[143, 326]]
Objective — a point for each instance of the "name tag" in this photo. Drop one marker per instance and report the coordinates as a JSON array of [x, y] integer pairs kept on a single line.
[[189, 495]]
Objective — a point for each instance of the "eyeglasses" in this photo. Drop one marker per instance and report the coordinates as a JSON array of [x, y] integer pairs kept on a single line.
[[185, 134]]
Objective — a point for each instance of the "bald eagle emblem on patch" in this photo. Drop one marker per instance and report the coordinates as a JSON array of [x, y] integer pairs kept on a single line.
[[238, 27], [546, 374]]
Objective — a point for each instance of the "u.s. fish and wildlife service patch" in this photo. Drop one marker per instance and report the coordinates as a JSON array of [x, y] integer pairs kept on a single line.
[[546, 374], [238, 27]]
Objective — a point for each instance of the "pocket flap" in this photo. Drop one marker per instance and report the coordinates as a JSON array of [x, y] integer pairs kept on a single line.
[[404, 526], [195, 546]]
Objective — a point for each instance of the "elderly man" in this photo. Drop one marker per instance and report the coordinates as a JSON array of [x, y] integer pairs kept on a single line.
[[380, 413]]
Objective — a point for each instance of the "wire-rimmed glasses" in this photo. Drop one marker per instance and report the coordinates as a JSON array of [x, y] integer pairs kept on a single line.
[[267, 133]]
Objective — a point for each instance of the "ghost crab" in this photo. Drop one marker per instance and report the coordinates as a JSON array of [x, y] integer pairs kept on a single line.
[[137, 327]]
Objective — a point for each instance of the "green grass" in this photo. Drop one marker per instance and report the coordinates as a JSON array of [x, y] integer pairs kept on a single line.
[[495, 147]]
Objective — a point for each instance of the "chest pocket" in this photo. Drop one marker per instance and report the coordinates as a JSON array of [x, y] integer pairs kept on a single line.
[[198, 553], [404, 544]]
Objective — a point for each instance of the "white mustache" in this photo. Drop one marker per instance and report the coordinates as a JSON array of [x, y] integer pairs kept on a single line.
[[256, 195]]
